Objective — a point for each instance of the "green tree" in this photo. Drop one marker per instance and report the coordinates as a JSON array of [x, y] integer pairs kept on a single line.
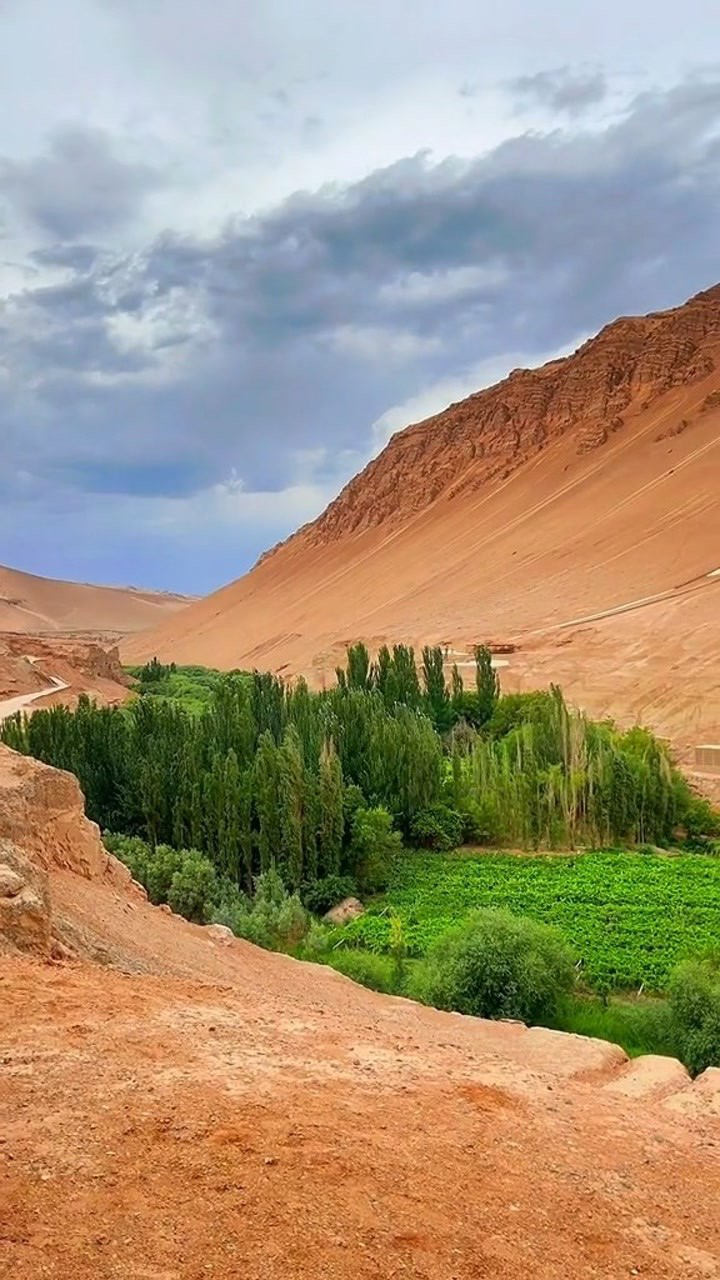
[[695, 1006], [487, 686], [437, 697], [266, 795], [496, 965], [291, 796], [375, 846], [330, 814], [193, 888]]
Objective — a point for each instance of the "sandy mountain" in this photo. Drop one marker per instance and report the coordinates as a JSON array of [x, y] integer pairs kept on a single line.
[[588, 487], [31, 604], [176, 1103]]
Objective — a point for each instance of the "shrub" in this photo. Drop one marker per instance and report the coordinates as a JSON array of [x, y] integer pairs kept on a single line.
[[324, 894], [181, 877], [379, 973], [193, 888], [317, 942], [437, 827], [131, 850], [162, 865], [481, 822], [698, 818], [496, 965], [694, 992], [514, 709], [273, 918], [374, 847]]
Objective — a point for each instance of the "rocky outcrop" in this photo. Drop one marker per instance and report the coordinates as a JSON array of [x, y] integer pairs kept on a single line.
[[43, 829], [486, 437], [42, 814], [348, 909], [24, 903]]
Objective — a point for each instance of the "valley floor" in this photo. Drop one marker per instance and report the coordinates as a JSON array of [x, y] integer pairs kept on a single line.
[[217, 1111]]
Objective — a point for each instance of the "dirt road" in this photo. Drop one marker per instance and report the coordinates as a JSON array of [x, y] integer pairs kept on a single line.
[[10, 706]]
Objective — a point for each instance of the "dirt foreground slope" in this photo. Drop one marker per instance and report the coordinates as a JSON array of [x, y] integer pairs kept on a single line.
[[558, 495], [175, 1105], [32, 604]]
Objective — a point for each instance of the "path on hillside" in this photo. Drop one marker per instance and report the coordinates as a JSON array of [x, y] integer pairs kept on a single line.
[[10, 706], [672, 593]]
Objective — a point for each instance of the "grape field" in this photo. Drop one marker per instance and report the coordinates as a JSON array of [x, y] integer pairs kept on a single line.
[[630, 916]]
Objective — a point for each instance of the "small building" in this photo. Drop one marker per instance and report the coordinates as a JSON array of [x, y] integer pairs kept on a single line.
[[708, 757]]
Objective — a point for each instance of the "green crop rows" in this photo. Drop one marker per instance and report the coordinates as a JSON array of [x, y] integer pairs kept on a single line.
[[631, 917]]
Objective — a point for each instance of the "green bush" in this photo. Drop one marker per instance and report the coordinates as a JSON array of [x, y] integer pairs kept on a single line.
[[699, 819], [273, 918], [437, 827], [131, 850], [317, 942], [379, 973], [695, 1004], [162, 865], [324, 894], [481, 822], [193, 888], [183, 878], [496, 965], [374, 848], [514, 709]]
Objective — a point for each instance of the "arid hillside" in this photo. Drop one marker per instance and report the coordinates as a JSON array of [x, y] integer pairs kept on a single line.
[[177, 1104], [32, 604], [573, 510], [40, 670]]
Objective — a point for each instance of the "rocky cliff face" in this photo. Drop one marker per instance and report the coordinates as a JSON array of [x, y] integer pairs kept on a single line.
[[43, 828], [488, 436], [29, 663]]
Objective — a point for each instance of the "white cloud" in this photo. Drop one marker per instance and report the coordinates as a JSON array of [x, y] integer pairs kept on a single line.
[[373, 342], [423, 289]]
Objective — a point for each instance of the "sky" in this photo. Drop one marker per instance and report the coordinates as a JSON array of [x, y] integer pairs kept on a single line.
[[242, 244]]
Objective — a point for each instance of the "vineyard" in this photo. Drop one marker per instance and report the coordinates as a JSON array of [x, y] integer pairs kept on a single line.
[[630, 917]]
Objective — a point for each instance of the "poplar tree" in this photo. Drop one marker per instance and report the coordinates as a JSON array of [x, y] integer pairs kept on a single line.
[[437, 698], [291, 797], [487, 686], [266, 795], [330, 812]]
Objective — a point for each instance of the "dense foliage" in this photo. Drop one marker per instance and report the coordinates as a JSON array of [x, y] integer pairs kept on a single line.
[[629, 917], [496, 965], [695, 1007], [254, 775], [181, 877], [191, 687], [188, 883]]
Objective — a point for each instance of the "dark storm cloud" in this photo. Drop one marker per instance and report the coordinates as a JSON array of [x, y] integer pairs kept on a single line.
[[79, 187], [561, 89], [292, 331]]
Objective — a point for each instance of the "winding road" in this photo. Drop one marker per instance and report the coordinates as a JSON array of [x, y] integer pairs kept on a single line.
[[10, 706]]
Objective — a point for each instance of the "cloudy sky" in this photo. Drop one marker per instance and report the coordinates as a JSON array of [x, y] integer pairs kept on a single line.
[[242, 243]]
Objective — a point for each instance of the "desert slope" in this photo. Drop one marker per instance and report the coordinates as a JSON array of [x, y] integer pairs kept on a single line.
[[176, 1104], [559, 494], [32, 604]]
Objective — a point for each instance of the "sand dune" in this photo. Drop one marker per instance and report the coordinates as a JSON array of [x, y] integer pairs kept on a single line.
[[32, 604], [588, 486]]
